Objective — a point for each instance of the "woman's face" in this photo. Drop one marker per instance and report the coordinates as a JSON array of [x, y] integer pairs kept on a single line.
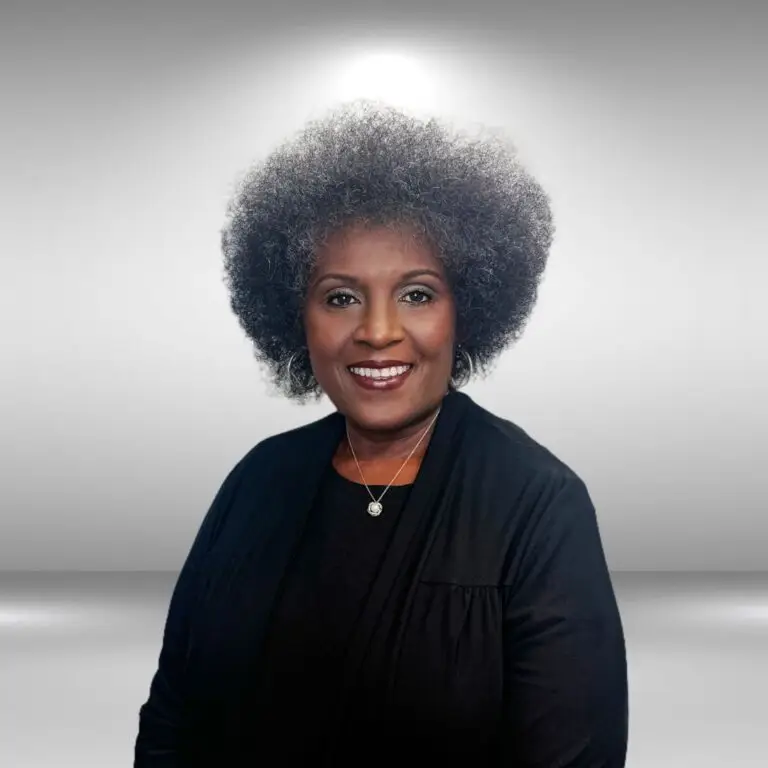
[[380, 324]]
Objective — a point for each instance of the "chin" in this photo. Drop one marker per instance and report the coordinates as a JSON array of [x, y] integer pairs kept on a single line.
[[386, 416], [378, 415]]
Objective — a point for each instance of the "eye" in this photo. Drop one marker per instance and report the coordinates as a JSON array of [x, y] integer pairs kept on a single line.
[[343, 295], [421, 296]]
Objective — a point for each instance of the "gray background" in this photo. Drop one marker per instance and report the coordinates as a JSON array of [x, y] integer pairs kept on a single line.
[[127, 389]]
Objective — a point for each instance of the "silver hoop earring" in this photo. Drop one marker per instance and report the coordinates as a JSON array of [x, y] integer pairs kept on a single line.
[[460, 383], [288, 368], [469, 363]]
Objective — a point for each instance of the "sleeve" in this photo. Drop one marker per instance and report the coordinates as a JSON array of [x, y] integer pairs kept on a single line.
[[565, 668], [161, 733]]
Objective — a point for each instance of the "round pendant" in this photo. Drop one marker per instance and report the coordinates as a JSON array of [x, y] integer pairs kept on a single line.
[[375, 509]]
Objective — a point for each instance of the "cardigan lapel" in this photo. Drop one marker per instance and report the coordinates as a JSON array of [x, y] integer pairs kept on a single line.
[[296, 488], [240, 595], [376, 636]]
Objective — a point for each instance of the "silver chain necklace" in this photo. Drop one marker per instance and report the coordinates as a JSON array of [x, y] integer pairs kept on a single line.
[[375, 508]]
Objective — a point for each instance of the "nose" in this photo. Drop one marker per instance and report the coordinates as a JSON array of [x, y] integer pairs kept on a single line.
[[380, 324]]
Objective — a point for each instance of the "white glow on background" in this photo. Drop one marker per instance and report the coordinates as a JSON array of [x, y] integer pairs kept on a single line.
[[399, 78], [745, 613], [63, 614], [724, 611], [23, 616]]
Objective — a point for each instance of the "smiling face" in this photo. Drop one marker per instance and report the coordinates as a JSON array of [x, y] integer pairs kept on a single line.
[[379, 297]]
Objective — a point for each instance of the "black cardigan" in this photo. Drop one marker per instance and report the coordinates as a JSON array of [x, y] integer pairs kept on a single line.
[[491, 636]]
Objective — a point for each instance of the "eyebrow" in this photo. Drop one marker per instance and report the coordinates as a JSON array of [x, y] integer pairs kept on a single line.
[[355, 281]]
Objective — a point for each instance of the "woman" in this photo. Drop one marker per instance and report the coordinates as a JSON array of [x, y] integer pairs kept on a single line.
[[411, 576]]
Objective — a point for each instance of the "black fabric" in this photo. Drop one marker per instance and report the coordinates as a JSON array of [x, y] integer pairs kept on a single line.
[[325, 590], [488, 632]]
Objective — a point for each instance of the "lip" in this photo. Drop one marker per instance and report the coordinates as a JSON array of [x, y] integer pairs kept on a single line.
[[380, 384], [379, 364]]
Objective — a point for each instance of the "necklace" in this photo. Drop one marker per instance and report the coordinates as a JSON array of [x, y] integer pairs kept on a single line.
[[375, 508]]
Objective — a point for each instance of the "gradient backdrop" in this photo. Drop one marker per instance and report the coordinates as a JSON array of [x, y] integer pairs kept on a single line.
[[128, 391]]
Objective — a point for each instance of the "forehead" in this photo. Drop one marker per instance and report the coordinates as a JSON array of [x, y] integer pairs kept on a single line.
[[375, 251]]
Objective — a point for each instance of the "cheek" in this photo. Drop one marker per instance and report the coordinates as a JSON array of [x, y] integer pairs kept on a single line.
[[324, 339], [436, 336]]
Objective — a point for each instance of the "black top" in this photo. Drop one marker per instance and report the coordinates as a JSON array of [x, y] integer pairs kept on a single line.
[[481, 628], [338, 556]]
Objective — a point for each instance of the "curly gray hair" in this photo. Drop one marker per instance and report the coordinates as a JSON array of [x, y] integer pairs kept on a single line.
[[370, 164]]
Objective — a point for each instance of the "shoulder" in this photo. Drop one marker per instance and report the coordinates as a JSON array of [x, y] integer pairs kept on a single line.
[[298, 438], [516, 488], [286, 447], [504, 444], [535, 492], [509, 494], [549, 510]]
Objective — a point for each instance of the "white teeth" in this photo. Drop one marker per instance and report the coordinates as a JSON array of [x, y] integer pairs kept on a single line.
[[380, 373]]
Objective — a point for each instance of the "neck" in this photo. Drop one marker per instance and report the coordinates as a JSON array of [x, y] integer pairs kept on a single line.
[[373, 446]]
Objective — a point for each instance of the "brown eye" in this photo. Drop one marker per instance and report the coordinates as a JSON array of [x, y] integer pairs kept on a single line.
[[421, 297], [339, 295]]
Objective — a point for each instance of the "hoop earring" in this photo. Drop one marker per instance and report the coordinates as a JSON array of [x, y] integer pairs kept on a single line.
[[460, 383], [469, 363], [288, 368]]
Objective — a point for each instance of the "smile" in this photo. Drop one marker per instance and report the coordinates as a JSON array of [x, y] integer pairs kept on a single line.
[[381, 373], [380, 378]]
